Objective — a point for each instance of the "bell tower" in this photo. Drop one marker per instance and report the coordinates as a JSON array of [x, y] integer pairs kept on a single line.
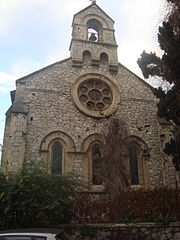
[[93, 34]]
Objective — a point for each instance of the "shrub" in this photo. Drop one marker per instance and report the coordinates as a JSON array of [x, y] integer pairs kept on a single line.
[[33, 198], [158, 205]]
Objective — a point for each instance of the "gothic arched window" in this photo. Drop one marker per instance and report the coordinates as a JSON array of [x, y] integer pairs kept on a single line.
[[133, 158], [56, 164], [96, 164]]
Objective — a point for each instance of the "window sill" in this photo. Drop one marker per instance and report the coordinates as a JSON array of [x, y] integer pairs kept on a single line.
[[136, 187], [97, 188]]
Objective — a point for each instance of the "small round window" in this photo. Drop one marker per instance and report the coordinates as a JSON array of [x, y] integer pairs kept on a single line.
[[95, 94]]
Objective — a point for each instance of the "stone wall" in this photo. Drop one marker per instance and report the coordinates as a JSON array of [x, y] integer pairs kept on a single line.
[[123, 231], [106, 42], [46, 96], [14, 142], [170, 175]]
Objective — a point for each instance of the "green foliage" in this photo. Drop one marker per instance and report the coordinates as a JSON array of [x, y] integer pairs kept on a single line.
[[172, 148], [167, 67], [33, 198], [166, 106], [87, 231], [150, 64], [170, 44]]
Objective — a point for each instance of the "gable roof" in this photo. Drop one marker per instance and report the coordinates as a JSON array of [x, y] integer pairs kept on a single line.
[[139, 78], [67, 59], [42, 69], [89, 8]]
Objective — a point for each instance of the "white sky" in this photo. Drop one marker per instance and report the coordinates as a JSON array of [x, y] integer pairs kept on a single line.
[[36, 33]]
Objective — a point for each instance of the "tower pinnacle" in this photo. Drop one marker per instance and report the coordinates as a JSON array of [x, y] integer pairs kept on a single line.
[[93, 1], [93, 35]]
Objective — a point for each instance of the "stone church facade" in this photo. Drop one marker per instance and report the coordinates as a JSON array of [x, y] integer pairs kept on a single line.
[[58, 113]]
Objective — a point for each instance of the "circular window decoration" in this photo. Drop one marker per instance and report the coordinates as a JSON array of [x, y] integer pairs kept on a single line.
[[95, 95]]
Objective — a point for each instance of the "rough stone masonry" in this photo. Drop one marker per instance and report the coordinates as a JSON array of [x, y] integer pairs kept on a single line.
[[60, 112]]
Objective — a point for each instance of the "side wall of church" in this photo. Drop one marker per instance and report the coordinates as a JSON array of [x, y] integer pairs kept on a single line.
[[50, 107], [14, 142], [171, 177]]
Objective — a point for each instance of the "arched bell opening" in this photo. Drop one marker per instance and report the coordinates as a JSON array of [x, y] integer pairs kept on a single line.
[[94, 30]]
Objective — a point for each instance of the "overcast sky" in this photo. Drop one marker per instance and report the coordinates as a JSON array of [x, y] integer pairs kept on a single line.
[[36, 33]]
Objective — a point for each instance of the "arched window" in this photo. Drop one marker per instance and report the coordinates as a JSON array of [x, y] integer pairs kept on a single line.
[[94, 30], [133, 158], [138, 155], [86, 55], [103, 57], [96, 164], [56, 152], [56, 164]]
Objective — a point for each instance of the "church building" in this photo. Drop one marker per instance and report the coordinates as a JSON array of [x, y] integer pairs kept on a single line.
[[58, 113]]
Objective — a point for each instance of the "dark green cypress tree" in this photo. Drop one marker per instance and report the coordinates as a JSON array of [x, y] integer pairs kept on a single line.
[[168, 68]]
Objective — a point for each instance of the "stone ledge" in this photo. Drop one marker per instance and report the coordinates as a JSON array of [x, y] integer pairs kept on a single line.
[[145, 231], [122, 225]]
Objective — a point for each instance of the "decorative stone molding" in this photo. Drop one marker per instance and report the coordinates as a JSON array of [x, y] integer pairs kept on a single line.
[[90, 139], [67, 145], [66, 141], [88, 164], [95, 95], [143, 160]]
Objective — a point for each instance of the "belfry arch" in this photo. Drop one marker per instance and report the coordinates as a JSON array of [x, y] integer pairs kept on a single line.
[[94, 30]]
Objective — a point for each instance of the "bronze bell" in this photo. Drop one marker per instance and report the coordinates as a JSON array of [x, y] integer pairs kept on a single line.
[[93, 37]]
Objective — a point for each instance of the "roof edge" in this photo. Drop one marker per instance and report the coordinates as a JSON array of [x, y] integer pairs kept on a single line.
[[142, 80], [88, 8], [42, 69]]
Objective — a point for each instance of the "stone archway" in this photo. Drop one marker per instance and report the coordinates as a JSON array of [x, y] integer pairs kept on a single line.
[[46, 150], [138, 156]]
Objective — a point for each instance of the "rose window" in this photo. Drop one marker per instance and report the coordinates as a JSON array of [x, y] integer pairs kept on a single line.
[[95, 94]]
